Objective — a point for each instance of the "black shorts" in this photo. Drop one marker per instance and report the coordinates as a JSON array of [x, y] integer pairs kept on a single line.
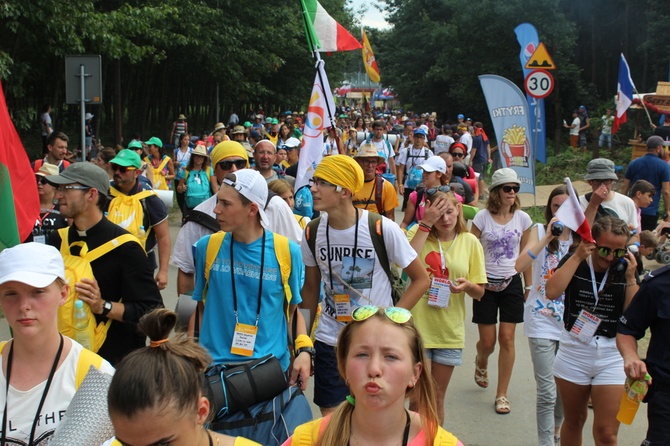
[[329, 388], [508, 301], [479, 167], [658, 416]]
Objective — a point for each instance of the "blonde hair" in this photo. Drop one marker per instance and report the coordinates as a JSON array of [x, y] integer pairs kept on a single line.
[[338, 430], [461, 226]]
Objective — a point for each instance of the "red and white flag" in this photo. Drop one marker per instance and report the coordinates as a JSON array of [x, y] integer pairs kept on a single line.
[[571, 215], [624, 95]]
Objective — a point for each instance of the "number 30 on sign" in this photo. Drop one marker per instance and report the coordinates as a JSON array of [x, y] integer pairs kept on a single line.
[[539, 84]]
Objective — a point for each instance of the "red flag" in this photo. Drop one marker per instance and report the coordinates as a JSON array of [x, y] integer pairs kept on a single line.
[[19, 201], [571, 215]]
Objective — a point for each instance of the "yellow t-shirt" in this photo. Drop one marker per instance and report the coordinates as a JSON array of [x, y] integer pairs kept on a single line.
[[365, 198], [240, 441], [444, 327]]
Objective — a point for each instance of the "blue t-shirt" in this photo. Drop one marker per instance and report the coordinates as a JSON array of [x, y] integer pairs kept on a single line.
[[218, 322], [653, 169]]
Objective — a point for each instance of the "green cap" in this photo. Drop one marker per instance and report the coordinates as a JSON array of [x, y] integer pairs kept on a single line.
[[247, 124], [275, 121], [154, 141], [127, 158], [134, 145]]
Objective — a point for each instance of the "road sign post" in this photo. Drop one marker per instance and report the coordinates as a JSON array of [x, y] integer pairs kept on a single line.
[[83, 84]]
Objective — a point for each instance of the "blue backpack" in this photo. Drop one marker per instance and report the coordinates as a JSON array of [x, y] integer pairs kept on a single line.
[[197, 188], [415, 175], [304, 202]]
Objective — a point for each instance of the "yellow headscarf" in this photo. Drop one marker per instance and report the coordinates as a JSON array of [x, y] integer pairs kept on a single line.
[[227, 149], [341, 170]]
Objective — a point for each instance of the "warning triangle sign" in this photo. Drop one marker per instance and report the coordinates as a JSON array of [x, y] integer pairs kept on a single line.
[[540, 59]]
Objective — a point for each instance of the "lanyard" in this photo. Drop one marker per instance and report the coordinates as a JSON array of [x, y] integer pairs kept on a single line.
[[46, 214], [330, 266], [10, 356], [596, 291], [260, 279], [443, 256]]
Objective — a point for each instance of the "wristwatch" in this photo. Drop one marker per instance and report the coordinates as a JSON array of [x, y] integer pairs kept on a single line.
[[106, 308], [309, 350]]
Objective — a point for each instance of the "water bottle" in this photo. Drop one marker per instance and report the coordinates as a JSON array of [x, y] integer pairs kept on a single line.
[[82, 334], [634, 393], [142, 233]]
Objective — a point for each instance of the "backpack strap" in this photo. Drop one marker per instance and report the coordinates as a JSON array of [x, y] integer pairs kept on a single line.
[[444, 438], [110, 245], [203, 219], [379, 188], [307, 434], [283, 254], [163, 163], [38, 164], [312, 227], [213, 246], [377, 238], [86, 359]]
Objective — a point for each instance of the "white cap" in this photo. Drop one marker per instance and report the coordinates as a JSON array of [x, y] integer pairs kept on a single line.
[[434, 163], [292, 142], [251, 184], [88, 116], [34, 264]]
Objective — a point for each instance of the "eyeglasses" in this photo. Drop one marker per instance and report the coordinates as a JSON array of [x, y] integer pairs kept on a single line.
[[609, 181], [396, 314], [507, 189], [319, 183], [419, 135], [122, 169], [370, 160], [434, 190], [604, 251], [62, 188], [457, 155], [227, 165], [41, 180]]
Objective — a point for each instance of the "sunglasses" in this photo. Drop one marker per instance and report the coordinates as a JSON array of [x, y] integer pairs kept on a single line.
[[396, 314], [41, 180], [604, 251], [458, 155], [507, 189], [227, 165], [122, 169], [434, 190]]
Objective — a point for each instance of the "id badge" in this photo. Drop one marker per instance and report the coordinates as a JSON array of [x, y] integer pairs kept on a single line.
[[244, 339], [439, 293], [342, 307], [40, 239], [585, 326]]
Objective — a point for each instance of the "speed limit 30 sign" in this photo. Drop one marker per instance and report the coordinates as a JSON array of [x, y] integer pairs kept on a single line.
[[539, 84]]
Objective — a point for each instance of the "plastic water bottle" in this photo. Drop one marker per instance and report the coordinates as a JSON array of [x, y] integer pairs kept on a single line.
[[142, 233], [630, 400], [81, 325]]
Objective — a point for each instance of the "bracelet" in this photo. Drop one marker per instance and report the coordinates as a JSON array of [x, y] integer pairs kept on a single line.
[[528, 288], [302, 341], [424, 228], [531, 255], [424, 225], [631, 283]]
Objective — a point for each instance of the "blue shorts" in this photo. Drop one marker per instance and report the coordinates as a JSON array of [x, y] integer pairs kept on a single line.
[[445, 356], [329, 388]]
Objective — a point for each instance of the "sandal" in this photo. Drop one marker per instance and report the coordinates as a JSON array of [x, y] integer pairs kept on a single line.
[[481, 376], [502, 405]]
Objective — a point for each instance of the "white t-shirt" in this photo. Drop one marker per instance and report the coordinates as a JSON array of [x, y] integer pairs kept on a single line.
[[575, 130], [364, 272], [442, 143], [280, 220], [410, 157], [22, 405], [46, 121], [466, 139], [501, 242], [621, 204], [384, 148]]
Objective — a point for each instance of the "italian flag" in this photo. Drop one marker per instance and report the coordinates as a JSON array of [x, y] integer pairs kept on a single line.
[[323, 32], [571, 214], [19, 202]]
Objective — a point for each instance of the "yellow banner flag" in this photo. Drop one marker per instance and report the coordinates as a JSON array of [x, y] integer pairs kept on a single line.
[[369, 59]]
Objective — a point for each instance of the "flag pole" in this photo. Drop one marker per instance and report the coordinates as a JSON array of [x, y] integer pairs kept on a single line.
[[651, 123]]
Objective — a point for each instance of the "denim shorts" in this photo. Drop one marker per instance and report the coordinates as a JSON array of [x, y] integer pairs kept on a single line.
[[445, 356], [329, 388]]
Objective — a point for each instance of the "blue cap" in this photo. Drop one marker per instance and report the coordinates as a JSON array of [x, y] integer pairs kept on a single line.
[[461, 116], [420, 131]]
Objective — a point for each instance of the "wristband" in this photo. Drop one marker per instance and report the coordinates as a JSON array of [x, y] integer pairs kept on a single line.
[[424, 228], [631, 283], [531, 255], [302, 341], [423, 225], [528, 288]]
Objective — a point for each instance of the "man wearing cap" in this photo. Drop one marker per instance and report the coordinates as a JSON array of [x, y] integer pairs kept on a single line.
[[265, 155], [179, 127], [377, 194], [245, 277], [409, 158], [272, 132], [653, 168], [383, 145], [227, 157], [50, 219], [292, 147], [124, 288], [346, 261], [233, 120], [56, 152], [127, 168], [604, 200]]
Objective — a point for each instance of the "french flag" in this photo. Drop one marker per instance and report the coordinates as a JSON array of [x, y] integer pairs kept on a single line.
[[571, 214], [624, 95]]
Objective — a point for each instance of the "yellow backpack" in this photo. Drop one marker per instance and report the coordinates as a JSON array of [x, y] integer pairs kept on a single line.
[[128, 212], [160, 183], [307, 434], [76, 268], [86, 359], [282, 252]]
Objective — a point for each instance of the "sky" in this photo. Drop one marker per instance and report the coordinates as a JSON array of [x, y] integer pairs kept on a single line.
[[372, 18]]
